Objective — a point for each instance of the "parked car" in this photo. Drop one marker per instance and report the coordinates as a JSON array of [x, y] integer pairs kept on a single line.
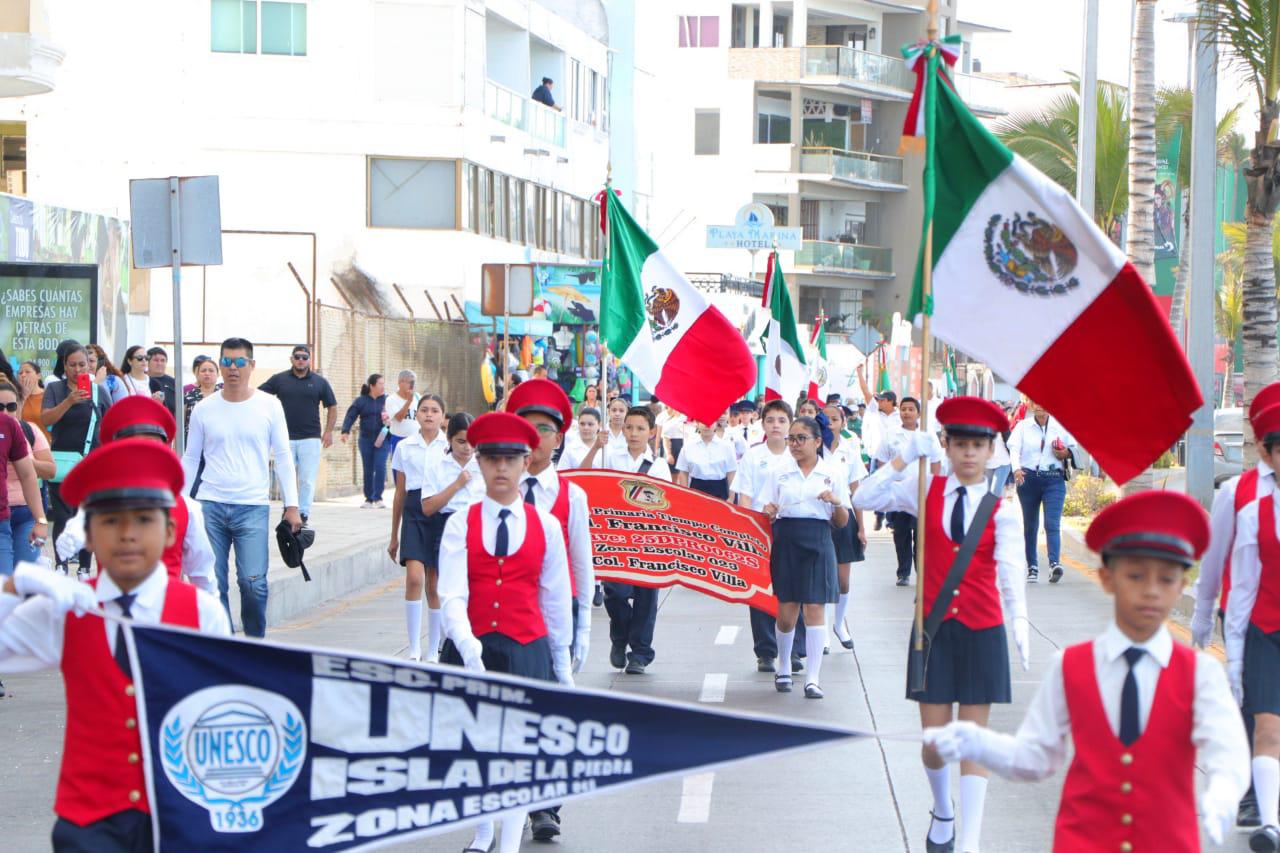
[[1228, 444]]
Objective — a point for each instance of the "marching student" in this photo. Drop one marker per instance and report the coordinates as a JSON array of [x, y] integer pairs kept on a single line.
[[633, 609], [707, 464], [729, 436], [851, 540], [1136, 704], [613, 437], [753, 470], [411, 530], [190, 557], [805, 498], [577, 443], [966, 601], [506, 596], [1252, 634], [125, 490], [544, 404]]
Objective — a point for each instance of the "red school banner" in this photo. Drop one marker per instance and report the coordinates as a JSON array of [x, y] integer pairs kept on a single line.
[[654, 533]]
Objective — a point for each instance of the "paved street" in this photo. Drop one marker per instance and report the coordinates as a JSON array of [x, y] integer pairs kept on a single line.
[[862, 796]]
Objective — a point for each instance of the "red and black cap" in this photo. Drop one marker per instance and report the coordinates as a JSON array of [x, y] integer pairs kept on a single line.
[[1267, 397], [543, 397], [502, 434], [1266, 424], [972, 416], [1168, 525], [130, 473], [135, 416]]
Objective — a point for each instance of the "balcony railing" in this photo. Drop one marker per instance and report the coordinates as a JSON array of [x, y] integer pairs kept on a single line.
[[845, 258], [512, 108], [858, 66], [852, 165]]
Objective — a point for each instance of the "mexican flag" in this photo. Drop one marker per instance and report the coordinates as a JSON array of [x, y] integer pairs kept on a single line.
[[675, 342], [1024, 281], [785, 376], [818, 373]]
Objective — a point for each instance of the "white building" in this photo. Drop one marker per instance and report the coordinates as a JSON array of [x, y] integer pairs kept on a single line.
[[395, 137]]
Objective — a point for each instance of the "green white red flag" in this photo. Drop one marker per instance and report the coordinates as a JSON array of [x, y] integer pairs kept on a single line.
[[819, 382], [785, 375]]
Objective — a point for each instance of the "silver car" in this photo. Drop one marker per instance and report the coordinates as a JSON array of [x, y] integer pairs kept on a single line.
[[1228, 444]]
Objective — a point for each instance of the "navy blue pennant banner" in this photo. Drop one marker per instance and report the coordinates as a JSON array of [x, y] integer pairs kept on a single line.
[[256, 746]]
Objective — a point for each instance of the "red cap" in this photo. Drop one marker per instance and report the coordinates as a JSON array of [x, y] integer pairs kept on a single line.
[[136, 415], [1155, 523], [1266, 422], [972, 416], [1264, 399], [544, 397], [502, 433], [128, 473]]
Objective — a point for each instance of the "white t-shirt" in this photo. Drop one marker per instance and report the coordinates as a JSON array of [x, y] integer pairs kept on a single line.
[[238, 441], [442, 474], [406, 427]]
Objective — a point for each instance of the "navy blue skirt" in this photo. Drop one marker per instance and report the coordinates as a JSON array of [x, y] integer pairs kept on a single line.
[[503, 654], [845, 539], [803, 562], [434, 528], [413, 528], [966, 666], [715, 488], [1261, 671]]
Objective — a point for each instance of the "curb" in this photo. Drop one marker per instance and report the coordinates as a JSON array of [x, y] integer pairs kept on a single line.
[[355, 569]]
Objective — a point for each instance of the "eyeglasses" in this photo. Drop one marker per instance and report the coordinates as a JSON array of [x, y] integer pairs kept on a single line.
[[546, 429], [798, 439], [9, 407], [301, 356], [138, 358], [240, 361]]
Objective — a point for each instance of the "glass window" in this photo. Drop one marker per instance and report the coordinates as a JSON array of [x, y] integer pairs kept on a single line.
[[468, 196], [531, 213], [412, 193], [773, 129], [284, 28], [699, 31], [706, 132], [500, 222], [550, 201], [234, 26]]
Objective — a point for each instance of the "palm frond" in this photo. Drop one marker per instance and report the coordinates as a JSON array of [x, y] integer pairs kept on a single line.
[[1247, 33]]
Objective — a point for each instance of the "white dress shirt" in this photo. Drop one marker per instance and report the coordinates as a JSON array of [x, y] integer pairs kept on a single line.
[[31, 633], [796, 493], [1000, 453], [892, 443], [848, 454], [555, 599], [876, 426], [1246, 574], [442, 474], [1039, 749], [753, 468], [733, 438], [546, 488], [1222, 536], [707, 460], [414, 454], [1031, 445], [887, 491], [574, 451], [622, 460]]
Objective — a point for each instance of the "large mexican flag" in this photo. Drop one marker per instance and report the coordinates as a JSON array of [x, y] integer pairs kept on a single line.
[[676, 343], [1024, 281]]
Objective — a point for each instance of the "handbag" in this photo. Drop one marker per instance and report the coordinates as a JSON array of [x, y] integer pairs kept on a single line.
[[68, 459]]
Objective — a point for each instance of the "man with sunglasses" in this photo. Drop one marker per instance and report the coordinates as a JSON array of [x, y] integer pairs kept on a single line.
[[301, 392], [239, 432]]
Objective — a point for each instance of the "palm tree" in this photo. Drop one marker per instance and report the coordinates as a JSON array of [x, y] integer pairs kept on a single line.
[[1248, 32], [1140, 242]]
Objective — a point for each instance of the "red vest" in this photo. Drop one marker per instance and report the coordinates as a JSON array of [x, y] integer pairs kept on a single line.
[[1143, 794], [503, 591], [101, 755], [1266, 608], [172, 556], [976, 603], [1246, 491], [560, 509]]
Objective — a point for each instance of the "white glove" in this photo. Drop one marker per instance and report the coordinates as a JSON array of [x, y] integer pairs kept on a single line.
[[916, 445], [68, 543], [581, 643], [561, 667], [1217, 813], [1235, 677], [1022, 639], [66, 593], [958, 741], [1201, 628], [471, 652]]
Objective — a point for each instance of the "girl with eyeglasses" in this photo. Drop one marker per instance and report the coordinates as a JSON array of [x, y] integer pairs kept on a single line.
[[369, 408], [805, 498], [411, 462], [136, 381]]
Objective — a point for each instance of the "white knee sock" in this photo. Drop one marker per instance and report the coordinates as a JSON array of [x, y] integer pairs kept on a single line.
[[413, 622], [814, 637], [483, 837], [940, 831], [785, 640], [1266, 784], [973, 796], [435, 625], [842, 607], [512, 832]]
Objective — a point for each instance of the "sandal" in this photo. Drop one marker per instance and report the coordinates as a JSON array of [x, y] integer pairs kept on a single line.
[[782, 683], [947, 846]]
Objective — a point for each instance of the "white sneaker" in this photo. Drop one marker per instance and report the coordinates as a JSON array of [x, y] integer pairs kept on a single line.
[[379, 505], [366, 505]]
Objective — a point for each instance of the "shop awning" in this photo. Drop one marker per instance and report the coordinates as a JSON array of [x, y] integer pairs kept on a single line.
[[519, 325]]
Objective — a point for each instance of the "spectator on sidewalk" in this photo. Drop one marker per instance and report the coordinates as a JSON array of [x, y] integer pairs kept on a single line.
[[32, 385], [206, 384], [1038, 448], [370, 409], [400, 407], [136, 380], [22, 518], [301, 392], [104, 372], [239, 432], [161, 382]]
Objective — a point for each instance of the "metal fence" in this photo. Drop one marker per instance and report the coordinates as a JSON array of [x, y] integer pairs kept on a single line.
[[351, 345]]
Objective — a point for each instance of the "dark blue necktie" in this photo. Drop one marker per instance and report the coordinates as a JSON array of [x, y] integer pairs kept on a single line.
[[122, 651], [528, 490], [957, 517], [1129, 699], [501, 542]]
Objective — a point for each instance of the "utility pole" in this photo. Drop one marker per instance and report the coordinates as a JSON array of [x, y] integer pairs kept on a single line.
[[1087, 143], [1204, 168]]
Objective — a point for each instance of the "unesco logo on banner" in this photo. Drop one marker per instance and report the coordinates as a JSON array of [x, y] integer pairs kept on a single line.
[[233, 750]]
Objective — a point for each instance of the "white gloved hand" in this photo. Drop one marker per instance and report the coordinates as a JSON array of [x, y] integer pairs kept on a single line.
[[471, 652], [66, 593], [561, 666], [1217, 813], [1235, 677], [1201, 628], [581, 643], [917, 445], [957, 741], [1022, 639], [68, 543]]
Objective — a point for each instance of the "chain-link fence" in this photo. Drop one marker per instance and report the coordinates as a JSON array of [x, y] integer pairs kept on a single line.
[[351, 345]]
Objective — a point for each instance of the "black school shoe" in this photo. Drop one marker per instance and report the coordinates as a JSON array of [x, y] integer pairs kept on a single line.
[[949, 846], [618, 657], [546, 825], [797, 664], [1265, 840], [904, 581], [598, 599], [634, 667], [1248, 815], [765, 665]]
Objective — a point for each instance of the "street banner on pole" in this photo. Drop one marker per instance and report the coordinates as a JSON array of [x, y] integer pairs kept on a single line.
[[254, 746], [654, 533]]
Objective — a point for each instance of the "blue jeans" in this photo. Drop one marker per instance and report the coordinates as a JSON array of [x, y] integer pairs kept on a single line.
[[1047, 488], [306, 461], [246, 527], [20, 522], [374, 461], [6, 548]]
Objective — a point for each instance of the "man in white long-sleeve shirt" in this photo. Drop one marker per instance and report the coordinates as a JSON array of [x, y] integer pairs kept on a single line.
[[238, 432]]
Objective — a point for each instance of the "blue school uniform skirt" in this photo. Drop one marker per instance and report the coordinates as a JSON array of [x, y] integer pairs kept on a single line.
[[715, 488], [845, 539], [1261, 671], [803, 562], [413, 529], [966, 666], [503, 654], [433, 529]]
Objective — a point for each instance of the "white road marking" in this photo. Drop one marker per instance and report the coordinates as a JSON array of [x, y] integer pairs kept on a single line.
[[695, 798], [727, 635], [713, 687]]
